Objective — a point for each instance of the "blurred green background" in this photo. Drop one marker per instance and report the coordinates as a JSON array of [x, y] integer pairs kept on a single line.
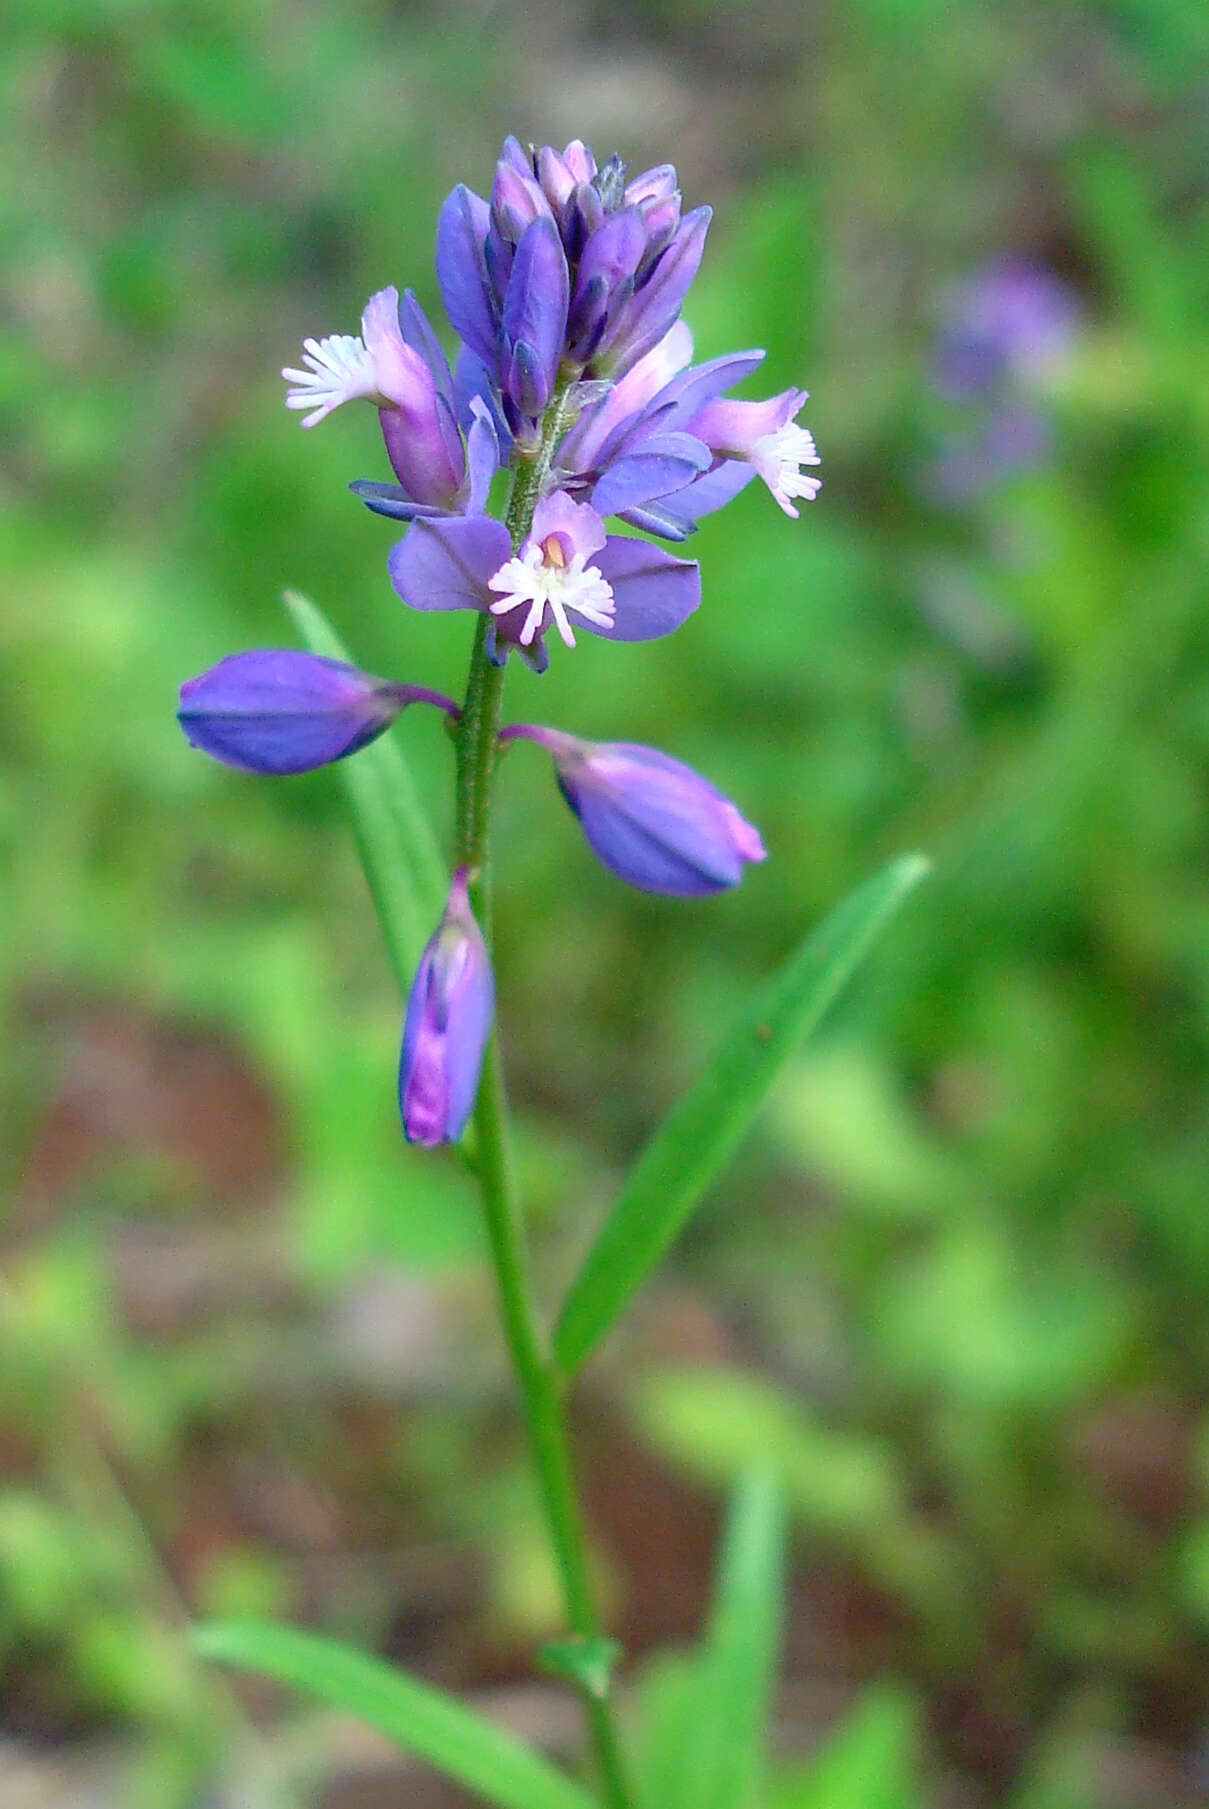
[[955, 1286]]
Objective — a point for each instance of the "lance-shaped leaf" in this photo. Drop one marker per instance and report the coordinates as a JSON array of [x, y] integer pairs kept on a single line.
[[399, 852], [419, 1719], [706, 1722], [690, 1147], [742, 1648]]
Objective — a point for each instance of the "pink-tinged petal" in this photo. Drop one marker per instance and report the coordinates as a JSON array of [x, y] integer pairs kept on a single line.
[[652, 185], [579, 160], [653, 592], [733, 427], [581, 449], [445, 564], [577, 525]]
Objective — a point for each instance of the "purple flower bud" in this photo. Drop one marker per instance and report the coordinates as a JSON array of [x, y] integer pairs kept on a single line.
[[605, 278], [517, 199], [445, 1032], [466, 290], [652, 820], [585, 215], [276, 710], [556, 177], [535, 317], [645, 319], [653, 185]]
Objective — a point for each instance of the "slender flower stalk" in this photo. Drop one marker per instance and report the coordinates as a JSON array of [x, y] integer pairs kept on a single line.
[[539, 1382]]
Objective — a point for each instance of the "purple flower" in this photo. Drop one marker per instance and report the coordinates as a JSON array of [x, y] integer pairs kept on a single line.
[[568, 573], [1012, 318], [661, 450], [652, 820], [445, 1031], [398, 365], [279, 711], [764, 435]]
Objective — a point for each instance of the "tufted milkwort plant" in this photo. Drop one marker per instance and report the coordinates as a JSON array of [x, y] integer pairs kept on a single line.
[[573, 374]]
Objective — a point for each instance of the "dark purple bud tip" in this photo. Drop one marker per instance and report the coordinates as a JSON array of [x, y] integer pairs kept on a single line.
[[652, 820], [276, 710], [448, 1020]]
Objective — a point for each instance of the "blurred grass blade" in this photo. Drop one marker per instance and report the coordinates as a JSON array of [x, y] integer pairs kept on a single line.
[[870, 1762], [407, 878], [743, 1646], [706, 1713], [690, 1147], [477, 1754]]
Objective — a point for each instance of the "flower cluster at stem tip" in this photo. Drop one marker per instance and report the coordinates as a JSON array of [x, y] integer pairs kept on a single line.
[[574, 371]]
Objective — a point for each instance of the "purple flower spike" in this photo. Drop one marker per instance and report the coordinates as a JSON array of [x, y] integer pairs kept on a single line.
[[652, 820], [445, 1032], [276, 710]]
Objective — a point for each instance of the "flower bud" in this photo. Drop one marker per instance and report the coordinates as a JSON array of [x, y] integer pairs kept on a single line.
[[445, 1032], [276, 710], [652, 820]]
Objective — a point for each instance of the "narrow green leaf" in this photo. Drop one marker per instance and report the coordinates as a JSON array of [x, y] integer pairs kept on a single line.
[[707, 1713], [743, 1645], [690, 1147], [419, 1719], [403, 866], [869, 1762]]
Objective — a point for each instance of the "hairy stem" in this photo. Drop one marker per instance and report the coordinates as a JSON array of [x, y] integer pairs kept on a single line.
[[539, 1383]]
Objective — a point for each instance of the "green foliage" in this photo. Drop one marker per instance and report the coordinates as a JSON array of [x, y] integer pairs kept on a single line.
[[706, 1714], [424, 1721], [696, 1138], [871, 1762]]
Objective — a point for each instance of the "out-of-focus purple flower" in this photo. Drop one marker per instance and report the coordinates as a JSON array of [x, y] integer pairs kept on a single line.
[[568, 573], [1014, 317], [1012, 437], [652, 820], [276, 710], [445, 1032], [397, 364]]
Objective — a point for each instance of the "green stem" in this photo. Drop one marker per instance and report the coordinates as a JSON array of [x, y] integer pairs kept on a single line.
[[539, 1383]]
